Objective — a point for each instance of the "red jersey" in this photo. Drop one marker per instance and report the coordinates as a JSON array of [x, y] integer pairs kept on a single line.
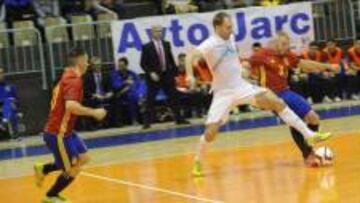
[[317, 56], [70, 87], [272, 69], [354, 56], [334, 58], [202, 71]]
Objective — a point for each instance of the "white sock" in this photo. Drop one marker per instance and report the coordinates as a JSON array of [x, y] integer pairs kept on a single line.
[[290, 118], [201, 148]]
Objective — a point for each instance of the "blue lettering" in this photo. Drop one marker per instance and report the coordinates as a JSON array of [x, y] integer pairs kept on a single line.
[[279, 22], [191, 33], [294, 23], [262, 29], [129, 38], [175, 28], [241, 26]]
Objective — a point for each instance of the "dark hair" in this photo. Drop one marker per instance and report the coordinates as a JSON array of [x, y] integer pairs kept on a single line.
[[313, 43], [333, 40], [74, 54], [219, 18], [181, 55], [256, 45], [124, 59]]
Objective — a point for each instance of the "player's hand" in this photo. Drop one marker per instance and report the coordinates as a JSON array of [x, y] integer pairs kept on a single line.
[[129, 81], [99, 114], [335, 68], [154, 77]]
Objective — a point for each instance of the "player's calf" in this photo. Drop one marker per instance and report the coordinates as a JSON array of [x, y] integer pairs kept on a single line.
[[211, 132], [312, 118]]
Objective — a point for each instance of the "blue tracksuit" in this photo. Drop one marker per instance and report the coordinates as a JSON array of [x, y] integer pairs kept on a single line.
[[8, 98], [135, 92]]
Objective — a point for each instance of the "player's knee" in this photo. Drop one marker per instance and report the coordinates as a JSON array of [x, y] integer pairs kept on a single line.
[[211, 132], [312, 118], [210, 136], [277, 104], [280, 105]]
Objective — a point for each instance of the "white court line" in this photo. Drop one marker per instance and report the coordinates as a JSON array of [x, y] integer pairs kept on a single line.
[[146, 187]]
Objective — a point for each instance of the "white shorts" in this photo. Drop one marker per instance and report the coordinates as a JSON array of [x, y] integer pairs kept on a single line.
[[224, 100]]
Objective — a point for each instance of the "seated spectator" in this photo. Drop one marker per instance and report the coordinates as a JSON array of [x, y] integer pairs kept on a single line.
[[256, 46], [115, 6], [235, 3], [335, 79], [247, 71], [193, 100], [47, 8], [128, 91], [159, 6], [81, 7], [209, 5], [203, 74], [353, 83], [315, 79], [178, 7], [203, 79], [299, 83], [268, 3], [97, 91], [15, 10], [8, 105], [168, 7]]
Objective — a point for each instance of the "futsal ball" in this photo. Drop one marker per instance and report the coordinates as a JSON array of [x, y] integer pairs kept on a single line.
[[326, 155]]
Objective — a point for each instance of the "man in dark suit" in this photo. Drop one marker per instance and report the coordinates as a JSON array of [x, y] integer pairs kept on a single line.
[[160, 70], [97, 88]]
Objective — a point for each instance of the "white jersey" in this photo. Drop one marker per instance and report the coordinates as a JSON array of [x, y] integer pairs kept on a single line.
[[223, 60]]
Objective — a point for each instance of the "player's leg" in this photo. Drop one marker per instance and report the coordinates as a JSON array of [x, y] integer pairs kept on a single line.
[[72, 157], [211, 131], [269, 101], [217, 115], [8, 116], [82, 157], [302, 109], [41, 169], [313, 121]]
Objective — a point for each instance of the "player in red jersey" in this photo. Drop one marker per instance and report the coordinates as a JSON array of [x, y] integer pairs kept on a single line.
[[68, 149], [270, 66]]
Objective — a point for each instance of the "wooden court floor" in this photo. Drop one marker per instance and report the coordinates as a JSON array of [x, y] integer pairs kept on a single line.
[[264, 169]]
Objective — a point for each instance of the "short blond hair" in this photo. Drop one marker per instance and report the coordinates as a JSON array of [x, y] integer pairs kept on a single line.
[[281, 34]]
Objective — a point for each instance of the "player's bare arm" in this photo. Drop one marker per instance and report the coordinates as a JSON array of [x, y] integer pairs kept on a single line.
[[353, 66], [191, 57], [313, 66], [76, 108]]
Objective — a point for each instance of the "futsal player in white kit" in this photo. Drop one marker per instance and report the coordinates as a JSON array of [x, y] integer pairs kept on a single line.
[[230, 89]]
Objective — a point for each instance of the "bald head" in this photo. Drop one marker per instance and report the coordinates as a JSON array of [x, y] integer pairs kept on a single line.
[[156, 32], [282, 43]]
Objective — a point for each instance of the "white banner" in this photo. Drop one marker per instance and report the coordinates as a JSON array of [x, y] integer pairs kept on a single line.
[[254, 24]]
